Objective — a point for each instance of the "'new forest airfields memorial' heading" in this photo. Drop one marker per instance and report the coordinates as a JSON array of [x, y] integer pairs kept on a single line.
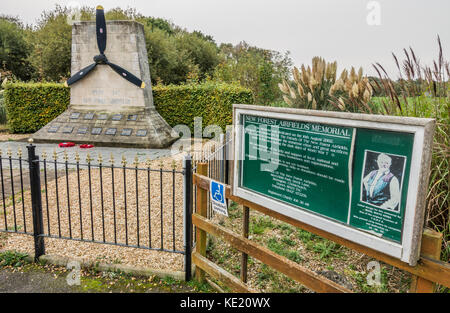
[[361, 177]]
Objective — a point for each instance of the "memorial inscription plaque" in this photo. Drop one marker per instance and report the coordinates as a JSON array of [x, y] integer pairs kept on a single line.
[[74, 115], [126, 132], [53, 129], [116, 117], [89, 116], [354, 174], [67, 130], [96, 131], [111, 131], [82, 130], [132, 117], [141, 132]]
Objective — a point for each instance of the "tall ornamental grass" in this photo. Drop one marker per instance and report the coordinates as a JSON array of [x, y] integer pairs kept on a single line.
[[425, 92], [418, 91]]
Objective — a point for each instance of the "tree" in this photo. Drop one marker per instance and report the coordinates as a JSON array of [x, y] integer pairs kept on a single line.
[[52, 41], [14, 49], [167, 64], [120, 14], [268, 89], [257, 69], [158, 23], [200, 50], [174, 54]]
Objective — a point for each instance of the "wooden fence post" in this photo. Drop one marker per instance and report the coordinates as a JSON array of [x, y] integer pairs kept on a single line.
[[431, 247], [202, 208], [244, 256]]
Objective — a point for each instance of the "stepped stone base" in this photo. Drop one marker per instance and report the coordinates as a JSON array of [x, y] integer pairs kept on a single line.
[[141, 128]]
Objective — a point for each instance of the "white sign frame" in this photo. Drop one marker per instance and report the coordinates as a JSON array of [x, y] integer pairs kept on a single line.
[[423, 129]]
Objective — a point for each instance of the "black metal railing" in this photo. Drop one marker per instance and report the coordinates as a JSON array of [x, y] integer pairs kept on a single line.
[[136, 206], [15, 210], [217, 155]]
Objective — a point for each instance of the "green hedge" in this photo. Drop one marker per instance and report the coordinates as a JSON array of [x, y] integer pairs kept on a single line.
[[212, 101], [2, 109], [30, 106]]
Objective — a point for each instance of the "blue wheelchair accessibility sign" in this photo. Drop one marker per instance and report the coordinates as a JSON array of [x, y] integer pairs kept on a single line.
[[218, 202], [217, 191]]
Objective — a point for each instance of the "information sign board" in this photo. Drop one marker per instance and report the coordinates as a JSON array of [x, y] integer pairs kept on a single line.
[[358, 176]]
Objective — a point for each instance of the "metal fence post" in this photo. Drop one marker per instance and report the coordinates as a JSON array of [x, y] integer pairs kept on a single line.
[[36, 201], [227, 157], [223, 158], [187, 196]]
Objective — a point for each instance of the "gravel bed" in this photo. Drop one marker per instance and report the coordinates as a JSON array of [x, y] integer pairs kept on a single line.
[[159, 228], [9, 136]]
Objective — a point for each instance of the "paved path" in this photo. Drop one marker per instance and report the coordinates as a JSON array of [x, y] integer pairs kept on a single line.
[[35, 279], [32, 282]]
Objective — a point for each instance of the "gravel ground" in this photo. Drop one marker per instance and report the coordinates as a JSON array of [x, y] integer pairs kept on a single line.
[[162, 227], [9, 137]]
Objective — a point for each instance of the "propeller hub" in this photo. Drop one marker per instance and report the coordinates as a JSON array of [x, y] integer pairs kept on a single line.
[[100, 59]]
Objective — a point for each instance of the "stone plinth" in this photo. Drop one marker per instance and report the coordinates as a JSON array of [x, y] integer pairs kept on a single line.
[[99, 99]]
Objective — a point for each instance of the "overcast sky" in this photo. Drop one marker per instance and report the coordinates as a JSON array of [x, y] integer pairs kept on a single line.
[[352, 32]]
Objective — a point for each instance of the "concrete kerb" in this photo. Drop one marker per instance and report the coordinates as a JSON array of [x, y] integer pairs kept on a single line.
[[104, 267]]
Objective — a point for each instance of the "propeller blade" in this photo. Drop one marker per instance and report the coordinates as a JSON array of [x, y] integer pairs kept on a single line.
[[81, 74], [127, 75], [101, 29]]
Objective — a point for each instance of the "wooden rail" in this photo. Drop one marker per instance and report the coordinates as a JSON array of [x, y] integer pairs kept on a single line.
[[428, 271], [301, 274]]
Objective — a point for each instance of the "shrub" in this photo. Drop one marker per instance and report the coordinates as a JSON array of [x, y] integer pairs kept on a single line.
[[2, 109], [31, 106], [318, 88], [211, 101], [12, 258]]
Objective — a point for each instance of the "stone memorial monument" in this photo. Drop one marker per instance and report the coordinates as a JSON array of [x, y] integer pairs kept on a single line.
[[109, 106]]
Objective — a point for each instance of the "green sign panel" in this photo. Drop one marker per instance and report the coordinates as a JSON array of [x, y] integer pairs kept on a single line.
[[354, 176]]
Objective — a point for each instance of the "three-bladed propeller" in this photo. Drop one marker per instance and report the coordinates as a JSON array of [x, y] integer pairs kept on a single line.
[[101, 58]]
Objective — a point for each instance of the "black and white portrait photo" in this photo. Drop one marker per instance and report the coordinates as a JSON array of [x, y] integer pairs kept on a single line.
[[382, 179]]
